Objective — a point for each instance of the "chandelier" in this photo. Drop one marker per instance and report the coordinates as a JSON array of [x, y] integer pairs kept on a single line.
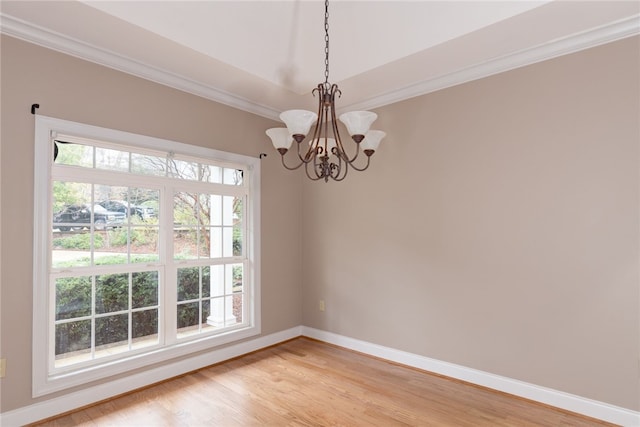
[[326, 157]]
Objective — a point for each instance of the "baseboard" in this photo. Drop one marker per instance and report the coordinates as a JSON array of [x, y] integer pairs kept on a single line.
[[87, 396], [566, 401]]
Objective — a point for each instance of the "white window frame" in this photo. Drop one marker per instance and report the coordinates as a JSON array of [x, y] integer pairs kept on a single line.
[[45, 381]]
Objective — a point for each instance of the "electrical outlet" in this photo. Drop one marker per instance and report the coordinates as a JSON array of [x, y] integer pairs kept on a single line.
[[321, 305], [3, 367]]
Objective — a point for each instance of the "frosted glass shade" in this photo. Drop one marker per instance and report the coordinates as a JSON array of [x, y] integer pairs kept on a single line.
[[358, 122], [298, 121], [280, 137], [330, 144], [372, 140]]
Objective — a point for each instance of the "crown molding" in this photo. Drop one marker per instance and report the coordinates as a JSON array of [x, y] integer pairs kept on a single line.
[[617, 30], [52, 40], [608, 33]]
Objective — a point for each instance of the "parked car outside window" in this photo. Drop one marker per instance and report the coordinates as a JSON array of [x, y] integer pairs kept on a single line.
[[79, 217], [143, 212]]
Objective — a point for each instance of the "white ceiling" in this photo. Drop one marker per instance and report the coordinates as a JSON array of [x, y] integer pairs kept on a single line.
[[266, 56], [283, 42]]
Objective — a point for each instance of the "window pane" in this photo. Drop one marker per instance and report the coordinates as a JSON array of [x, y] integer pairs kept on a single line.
[[227, 241], [144, 244], [212, 174], [216, 318], [228, 207], [144, 329], [148, 165], [217, 280], [233, 176], [105, 194], [104, 219], [73, 154], [191, 216], [204, 242], [143, 205], [215, 242], [237, 278], [115, 248], [73, 249], [185, 243], [204, 209], [238, 215], [69, 193], [106, 213], [188, 316], [185, 209], [238, 300], [144, 289], [206, 311], [112, 329], [237, 239], [227, 210], [183, 170], [73, 297], [73, 337], [206, 282], [222, 312], [113, 160], [216, 209], [188, 283], [112, 293], [71, 244]]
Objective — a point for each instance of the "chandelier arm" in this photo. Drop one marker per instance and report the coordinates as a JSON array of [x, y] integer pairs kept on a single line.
[[344, 175], [288, 167], [302, 159], [315, 138], [341, 150], [346, 157], [364, 168], [318, 168], [338, 168], [353, 159], [307, 154], [306, 171], [341, 168], [312, 151], [298, 152]]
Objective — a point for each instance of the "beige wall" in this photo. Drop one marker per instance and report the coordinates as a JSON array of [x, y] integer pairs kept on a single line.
[[498, 228], [80, 91]]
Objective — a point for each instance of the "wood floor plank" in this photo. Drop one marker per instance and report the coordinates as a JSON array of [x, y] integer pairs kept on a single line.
[[308, 383]]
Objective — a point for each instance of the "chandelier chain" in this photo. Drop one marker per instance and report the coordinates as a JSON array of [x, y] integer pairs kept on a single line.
[[325, 157], [326, 41]]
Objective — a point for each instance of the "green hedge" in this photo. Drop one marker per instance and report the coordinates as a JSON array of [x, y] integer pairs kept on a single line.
[[73, 300], [74, 296]]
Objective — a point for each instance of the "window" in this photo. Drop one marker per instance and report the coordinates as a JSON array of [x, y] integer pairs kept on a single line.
[[144, 250]]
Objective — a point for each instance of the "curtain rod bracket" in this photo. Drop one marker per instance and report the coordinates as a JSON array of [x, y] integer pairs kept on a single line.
[[262, 155], [33, 108]]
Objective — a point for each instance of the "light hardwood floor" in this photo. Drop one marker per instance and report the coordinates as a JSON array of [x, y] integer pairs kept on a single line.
[[308, 383]]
